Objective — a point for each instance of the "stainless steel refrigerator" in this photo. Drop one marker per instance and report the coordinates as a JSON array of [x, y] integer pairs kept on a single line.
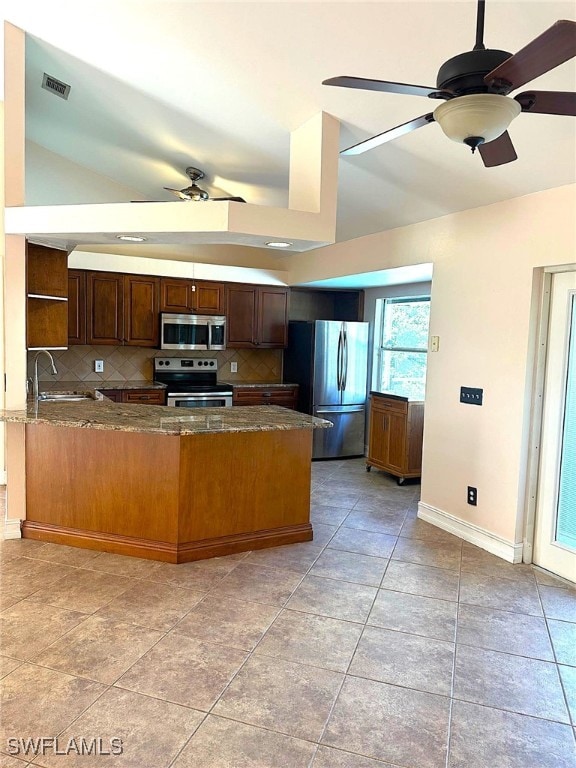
[[328, 359]]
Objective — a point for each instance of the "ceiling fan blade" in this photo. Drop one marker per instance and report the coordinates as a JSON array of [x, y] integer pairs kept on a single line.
[[393, 133], [547, 51], [498, 152], [381, 85], [548, 102], [177, 192], [230, 199]]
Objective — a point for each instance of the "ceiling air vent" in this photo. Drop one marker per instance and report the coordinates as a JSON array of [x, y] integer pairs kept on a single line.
[[55, 86]]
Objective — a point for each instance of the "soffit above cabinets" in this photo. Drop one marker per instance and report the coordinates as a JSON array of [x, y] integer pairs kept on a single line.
[[309, 221]]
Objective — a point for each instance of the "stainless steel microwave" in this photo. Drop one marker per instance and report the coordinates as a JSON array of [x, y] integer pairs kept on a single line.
[[204, 332]]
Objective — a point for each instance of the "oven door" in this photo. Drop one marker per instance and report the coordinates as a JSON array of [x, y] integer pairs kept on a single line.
[[204, 400]]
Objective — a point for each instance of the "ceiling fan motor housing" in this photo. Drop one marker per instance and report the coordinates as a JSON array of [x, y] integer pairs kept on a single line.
[[464, 74]]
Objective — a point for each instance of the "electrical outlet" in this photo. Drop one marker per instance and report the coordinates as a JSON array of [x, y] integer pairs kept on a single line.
[[98, 366], [233, 367], [472, 495]]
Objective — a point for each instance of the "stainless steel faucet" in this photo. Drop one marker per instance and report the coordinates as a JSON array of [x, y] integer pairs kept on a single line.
[[54, 369]]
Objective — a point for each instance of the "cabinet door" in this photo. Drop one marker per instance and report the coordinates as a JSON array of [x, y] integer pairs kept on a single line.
[[208, 298], [76, 307], [104, 308], [141, 310], [396, 427], [241, 316], [378, 435], [175, 295], [112, 394], [272, 317], [46, 271]]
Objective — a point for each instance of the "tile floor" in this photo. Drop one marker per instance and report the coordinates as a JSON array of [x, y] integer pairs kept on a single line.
[[384, 642]]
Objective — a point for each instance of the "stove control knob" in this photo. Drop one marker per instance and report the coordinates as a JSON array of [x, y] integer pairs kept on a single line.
[[161, 362], [167, 362], [211, 362]]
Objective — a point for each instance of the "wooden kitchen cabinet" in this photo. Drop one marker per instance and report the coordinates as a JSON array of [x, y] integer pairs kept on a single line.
[[144, 396], [268, 395], [76, 306], [202, 297], [47, 297], [141, 396], [141, 307], [256, 316], [122, 309], [395, 435]]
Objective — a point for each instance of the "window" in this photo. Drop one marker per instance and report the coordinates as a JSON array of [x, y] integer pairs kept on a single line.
[[401, 346]]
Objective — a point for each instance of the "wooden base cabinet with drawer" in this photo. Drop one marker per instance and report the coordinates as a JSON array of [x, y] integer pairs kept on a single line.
[[284, 396], [395, 435]]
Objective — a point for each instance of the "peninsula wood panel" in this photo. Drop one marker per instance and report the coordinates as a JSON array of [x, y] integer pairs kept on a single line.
[[165, 497], [123, 483], [270, 487]]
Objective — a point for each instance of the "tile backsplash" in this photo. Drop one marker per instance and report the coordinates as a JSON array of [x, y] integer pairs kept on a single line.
[[135, 363]]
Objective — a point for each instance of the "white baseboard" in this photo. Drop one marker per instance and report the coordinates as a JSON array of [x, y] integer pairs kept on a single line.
[[482, 538], [12, 529]]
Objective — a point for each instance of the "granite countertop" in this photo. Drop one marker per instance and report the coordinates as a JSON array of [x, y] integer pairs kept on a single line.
[[260, 384], [161, 419], [401, 398], [90, 387]]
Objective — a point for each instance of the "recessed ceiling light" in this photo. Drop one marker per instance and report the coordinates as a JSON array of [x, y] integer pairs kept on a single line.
[[131, 238], [279, 244]]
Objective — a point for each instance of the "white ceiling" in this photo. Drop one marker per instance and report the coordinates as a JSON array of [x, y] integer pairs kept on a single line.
[[160, 85]]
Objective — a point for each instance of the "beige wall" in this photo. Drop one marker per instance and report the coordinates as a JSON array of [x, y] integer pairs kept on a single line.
[[484, 262]]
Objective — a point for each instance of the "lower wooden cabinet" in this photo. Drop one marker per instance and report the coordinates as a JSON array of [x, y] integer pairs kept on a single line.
[[144, 396], [141, 396], [395, 435], [284, 396]]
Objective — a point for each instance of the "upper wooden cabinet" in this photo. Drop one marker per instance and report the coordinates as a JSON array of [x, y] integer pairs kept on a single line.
[[47, 297], [121, 309], [76, 306], [200, 296], [141, 307], [256, 316]]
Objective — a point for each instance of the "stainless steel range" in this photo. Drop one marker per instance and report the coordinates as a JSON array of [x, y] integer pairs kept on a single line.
[[192, 382]]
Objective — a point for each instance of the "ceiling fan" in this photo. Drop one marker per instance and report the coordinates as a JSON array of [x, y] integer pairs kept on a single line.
[[194, 193], [474, 87]]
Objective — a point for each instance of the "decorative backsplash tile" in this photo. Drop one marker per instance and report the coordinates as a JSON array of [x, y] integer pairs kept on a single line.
[[135, 363]]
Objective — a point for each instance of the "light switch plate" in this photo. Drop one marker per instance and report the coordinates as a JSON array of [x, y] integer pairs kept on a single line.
[[434, 343], [233, 367], [98, 366]]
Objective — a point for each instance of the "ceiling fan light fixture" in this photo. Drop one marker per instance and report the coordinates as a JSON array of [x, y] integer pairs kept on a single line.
[[194, 192], [131, 238], [477, 118]]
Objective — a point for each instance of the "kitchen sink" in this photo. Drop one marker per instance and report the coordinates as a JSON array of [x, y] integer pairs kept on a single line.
[[54, 397]]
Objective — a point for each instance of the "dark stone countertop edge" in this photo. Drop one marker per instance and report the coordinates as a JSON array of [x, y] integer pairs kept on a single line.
[[166, 420]]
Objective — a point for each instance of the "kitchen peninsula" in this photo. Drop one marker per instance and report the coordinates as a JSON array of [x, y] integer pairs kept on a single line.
[[152, 482]]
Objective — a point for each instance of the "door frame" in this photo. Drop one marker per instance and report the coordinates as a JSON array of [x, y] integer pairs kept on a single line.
[[537, 402]]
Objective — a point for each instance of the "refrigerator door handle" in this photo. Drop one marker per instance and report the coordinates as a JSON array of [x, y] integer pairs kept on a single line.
[[339, 359], [340, 409], [345, 358]]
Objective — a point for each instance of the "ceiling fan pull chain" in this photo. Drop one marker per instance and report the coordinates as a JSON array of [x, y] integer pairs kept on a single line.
[[480, 27]]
